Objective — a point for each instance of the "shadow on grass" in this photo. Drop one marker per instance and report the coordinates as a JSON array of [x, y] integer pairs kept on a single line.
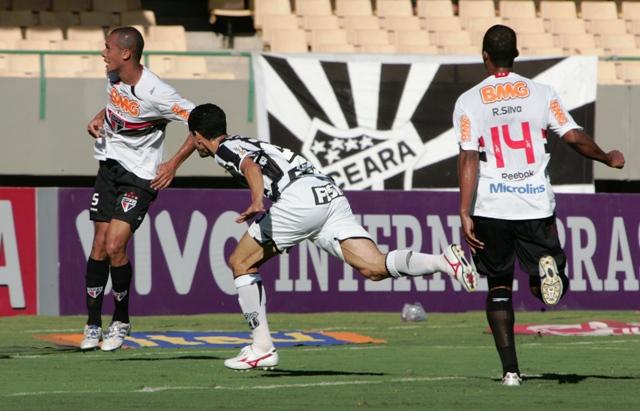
[[177, 358], [314, 373], [11, 353], [573, 378]]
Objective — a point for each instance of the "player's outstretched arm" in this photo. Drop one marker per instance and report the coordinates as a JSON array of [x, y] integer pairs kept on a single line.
[[167, 170], [253, 173], [585, 145], [96, 123], [468, 164]]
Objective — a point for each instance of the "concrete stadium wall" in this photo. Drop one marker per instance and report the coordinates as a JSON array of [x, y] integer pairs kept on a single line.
[[60, 146]]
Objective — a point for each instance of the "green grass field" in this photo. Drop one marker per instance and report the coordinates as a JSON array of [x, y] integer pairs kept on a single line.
[[446, 362]]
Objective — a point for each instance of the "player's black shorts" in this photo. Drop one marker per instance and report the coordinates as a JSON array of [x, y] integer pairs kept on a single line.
[[119, 194], [505, 239]]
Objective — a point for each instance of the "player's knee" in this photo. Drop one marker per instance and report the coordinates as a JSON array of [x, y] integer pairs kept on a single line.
[[238, 265], [373, 272], [499, 299], [114, 249]]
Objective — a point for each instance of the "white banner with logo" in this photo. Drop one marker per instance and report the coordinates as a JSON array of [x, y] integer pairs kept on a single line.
[[384, 122]]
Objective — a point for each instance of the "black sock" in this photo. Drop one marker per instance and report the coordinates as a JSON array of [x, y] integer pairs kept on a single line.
[[95, 281], [121, 279], [501, 319]]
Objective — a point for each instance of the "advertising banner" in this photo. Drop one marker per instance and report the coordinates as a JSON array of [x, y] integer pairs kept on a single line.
[[179, 255], [385, 122], [18, 248]]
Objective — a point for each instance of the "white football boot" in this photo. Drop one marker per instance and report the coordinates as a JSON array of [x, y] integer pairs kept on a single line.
[[249, 359], [511, 379], [114, 338], [460, 269], [550, 282], [92, 337]]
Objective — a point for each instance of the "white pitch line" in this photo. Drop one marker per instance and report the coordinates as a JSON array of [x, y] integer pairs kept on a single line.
[[146, 390]]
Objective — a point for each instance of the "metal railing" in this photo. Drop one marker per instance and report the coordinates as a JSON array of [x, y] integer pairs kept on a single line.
[[43, 77]]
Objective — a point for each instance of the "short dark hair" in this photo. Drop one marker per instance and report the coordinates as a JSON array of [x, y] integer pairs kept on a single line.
[[208, 120], [131, 39], [500, 44]]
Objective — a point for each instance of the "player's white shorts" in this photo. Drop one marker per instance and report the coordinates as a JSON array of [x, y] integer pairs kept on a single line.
[[312, 209]]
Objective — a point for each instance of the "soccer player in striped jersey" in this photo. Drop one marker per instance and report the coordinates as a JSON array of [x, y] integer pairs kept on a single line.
[[129, 135], [307, 205], [507, 205]]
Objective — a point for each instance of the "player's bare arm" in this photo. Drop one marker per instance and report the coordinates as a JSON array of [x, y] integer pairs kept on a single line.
[[94, 126], [253, 174], [468, 164], [585, 145], [167, 170]]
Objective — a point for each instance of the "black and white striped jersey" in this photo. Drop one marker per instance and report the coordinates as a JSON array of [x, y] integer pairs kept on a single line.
[[280, 166]]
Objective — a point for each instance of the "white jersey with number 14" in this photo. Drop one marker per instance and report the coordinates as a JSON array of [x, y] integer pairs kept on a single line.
[[505, 118]]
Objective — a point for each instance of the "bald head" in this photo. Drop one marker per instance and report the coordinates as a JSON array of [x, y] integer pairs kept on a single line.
[[129, 38]]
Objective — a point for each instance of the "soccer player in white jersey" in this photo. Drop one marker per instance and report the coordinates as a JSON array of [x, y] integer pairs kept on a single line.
[[307, 205], [507, 205], [129, 135]]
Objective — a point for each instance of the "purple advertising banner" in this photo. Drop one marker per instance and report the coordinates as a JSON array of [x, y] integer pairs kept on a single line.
[[179, 255]]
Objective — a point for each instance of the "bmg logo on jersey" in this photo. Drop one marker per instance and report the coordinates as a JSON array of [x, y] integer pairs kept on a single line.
[[504, 91], [326, 194], [125, 104]]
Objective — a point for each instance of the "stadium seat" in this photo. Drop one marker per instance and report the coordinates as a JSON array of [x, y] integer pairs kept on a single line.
[[314, 22], [563, 9], [398, 23], [395, 8], [27, 65], [476, 8], [335, 48], [434, 8], [10, 34], [88, 33], [451, 38], [370, 37], [32, 5], [607, 73], [313, 8], [65, 66], [321, 38], [8, 44], [58, 18], [112, 6], [442, 23], [22, 18], [39, 44], [49, 33], [354, 23], [617, 41], [143, 18], [177, 34], [417, 49], [378, 49], [161, 64], [630, 10], [83, 45], [598, 10], [535, 40], [277, 22], [184, 67], [413, 38], [574, 42], [269, 7], [98, 18], [459, 50], [71, 5], [346, 8], [517, 9], [289, 41], [628, 71], [558, 26], [526, 25], [95, 67], [599, 27], [479, 24], [541, 51]]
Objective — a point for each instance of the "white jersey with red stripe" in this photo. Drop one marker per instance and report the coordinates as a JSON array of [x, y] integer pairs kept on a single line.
[[135, 122], [505, 117]]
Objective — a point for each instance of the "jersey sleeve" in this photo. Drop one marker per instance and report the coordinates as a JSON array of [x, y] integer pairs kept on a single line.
[[558, 117], [464, 129], [230, 156], [171, 105]]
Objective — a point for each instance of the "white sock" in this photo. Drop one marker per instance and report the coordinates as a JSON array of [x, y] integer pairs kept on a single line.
[[253, 302], [402, 263]]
